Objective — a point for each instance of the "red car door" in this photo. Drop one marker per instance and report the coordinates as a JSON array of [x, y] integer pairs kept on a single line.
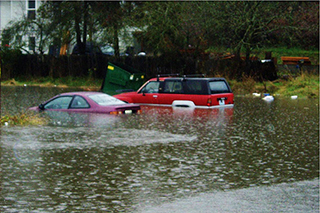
[[146, 98], [172, 90], [148, 94]]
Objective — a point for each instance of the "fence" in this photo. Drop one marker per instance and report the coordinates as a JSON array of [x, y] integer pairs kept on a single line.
[[96, 66]]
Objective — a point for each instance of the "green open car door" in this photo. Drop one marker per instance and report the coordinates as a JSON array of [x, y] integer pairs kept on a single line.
[[121, 77]]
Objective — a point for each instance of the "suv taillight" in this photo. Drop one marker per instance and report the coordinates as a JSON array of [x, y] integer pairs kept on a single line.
[[209, 102]]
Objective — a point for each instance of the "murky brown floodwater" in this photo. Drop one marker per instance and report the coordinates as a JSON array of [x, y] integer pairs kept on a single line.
[[132, 163]]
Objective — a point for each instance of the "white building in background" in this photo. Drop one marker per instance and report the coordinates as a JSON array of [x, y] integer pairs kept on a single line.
[[11, 10]]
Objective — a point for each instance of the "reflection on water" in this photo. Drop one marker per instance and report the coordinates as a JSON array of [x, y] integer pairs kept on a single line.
[[81, 162]]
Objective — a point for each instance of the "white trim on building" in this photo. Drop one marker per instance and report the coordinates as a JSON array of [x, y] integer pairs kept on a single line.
[[11, 10]]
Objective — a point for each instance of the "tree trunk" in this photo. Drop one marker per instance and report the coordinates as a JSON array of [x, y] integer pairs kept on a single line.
[[85, 22], [77, 20], [116, 40]]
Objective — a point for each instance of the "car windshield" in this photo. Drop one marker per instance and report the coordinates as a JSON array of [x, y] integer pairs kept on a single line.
[[105, 100]]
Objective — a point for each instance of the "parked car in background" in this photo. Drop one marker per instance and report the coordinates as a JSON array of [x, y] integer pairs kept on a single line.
[[91, 49], [182, 92], [87, 102], [107, 50]]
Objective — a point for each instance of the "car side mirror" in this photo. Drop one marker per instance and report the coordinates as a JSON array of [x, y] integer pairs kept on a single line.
[[143, 91], [41, 106]]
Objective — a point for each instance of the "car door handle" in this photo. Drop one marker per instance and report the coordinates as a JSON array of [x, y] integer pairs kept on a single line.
[[155, 96]]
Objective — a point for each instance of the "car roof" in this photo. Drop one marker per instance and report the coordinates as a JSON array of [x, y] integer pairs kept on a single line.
[[83, 93]]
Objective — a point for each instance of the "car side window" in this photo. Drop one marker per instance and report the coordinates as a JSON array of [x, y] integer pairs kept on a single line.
[[79, 102], [173, 87], [59, 103], [218, 87], [151, 87], [196, 87]]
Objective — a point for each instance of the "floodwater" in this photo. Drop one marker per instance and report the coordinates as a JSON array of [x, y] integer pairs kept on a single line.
[[254, 157]]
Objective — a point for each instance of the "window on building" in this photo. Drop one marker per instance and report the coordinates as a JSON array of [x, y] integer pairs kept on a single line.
[[31, 14], [32, 43], [31, 4], [31, 9]]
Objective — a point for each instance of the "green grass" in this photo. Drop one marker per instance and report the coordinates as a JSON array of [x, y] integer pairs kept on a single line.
[[306, 85], [80, 82], [23, 118]]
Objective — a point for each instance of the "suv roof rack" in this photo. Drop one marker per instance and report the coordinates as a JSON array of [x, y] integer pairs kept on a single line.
[[178, 75], [195, 75], [167, 75]]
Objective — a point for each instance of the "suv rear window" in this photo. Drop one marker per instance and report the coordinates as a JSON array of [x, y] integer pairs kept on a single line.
[[218, 87]]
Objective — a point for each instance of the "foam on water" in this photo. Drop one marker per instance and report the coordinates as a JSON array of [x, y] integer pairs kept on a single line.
[[35, 138]]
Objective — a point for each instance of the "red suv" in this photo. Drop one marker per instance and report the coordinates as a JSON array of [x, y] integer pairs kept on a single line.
[[182, 92]]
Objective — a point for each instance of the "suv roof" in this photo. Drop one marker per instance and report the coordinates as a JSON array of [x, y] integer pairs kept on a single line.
[[186, 78]]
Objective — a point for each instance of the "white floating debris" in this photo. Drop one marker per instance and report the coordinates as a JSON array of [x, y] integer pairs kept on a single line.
[[256, 94], [268, 98], [141, 54], [294, 97], [6, 123], [25, 85]]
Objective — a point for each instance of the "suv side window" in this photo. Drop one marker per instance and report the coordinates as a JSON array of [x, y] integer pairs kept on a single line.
[[218, 87], [173, 87], [151, 87], [198, 87]]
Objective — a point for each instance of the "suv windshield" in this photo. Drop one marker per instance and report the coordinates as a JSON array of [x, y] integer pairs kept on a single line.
[[218, 87]]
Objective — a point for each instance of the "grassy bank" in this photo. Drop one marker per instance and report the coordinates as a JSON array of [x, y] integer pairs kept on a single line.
[[306, 85], [84, 83]]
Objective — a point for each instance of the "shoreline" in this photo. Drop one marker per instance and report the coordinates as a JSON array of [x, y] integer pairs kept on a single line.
[[304, 86], [95, 88], [87, 88]]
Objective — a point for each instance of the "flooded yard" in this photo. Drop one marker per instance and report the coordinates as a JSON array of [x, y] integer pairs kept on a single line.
[[164, 158]]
